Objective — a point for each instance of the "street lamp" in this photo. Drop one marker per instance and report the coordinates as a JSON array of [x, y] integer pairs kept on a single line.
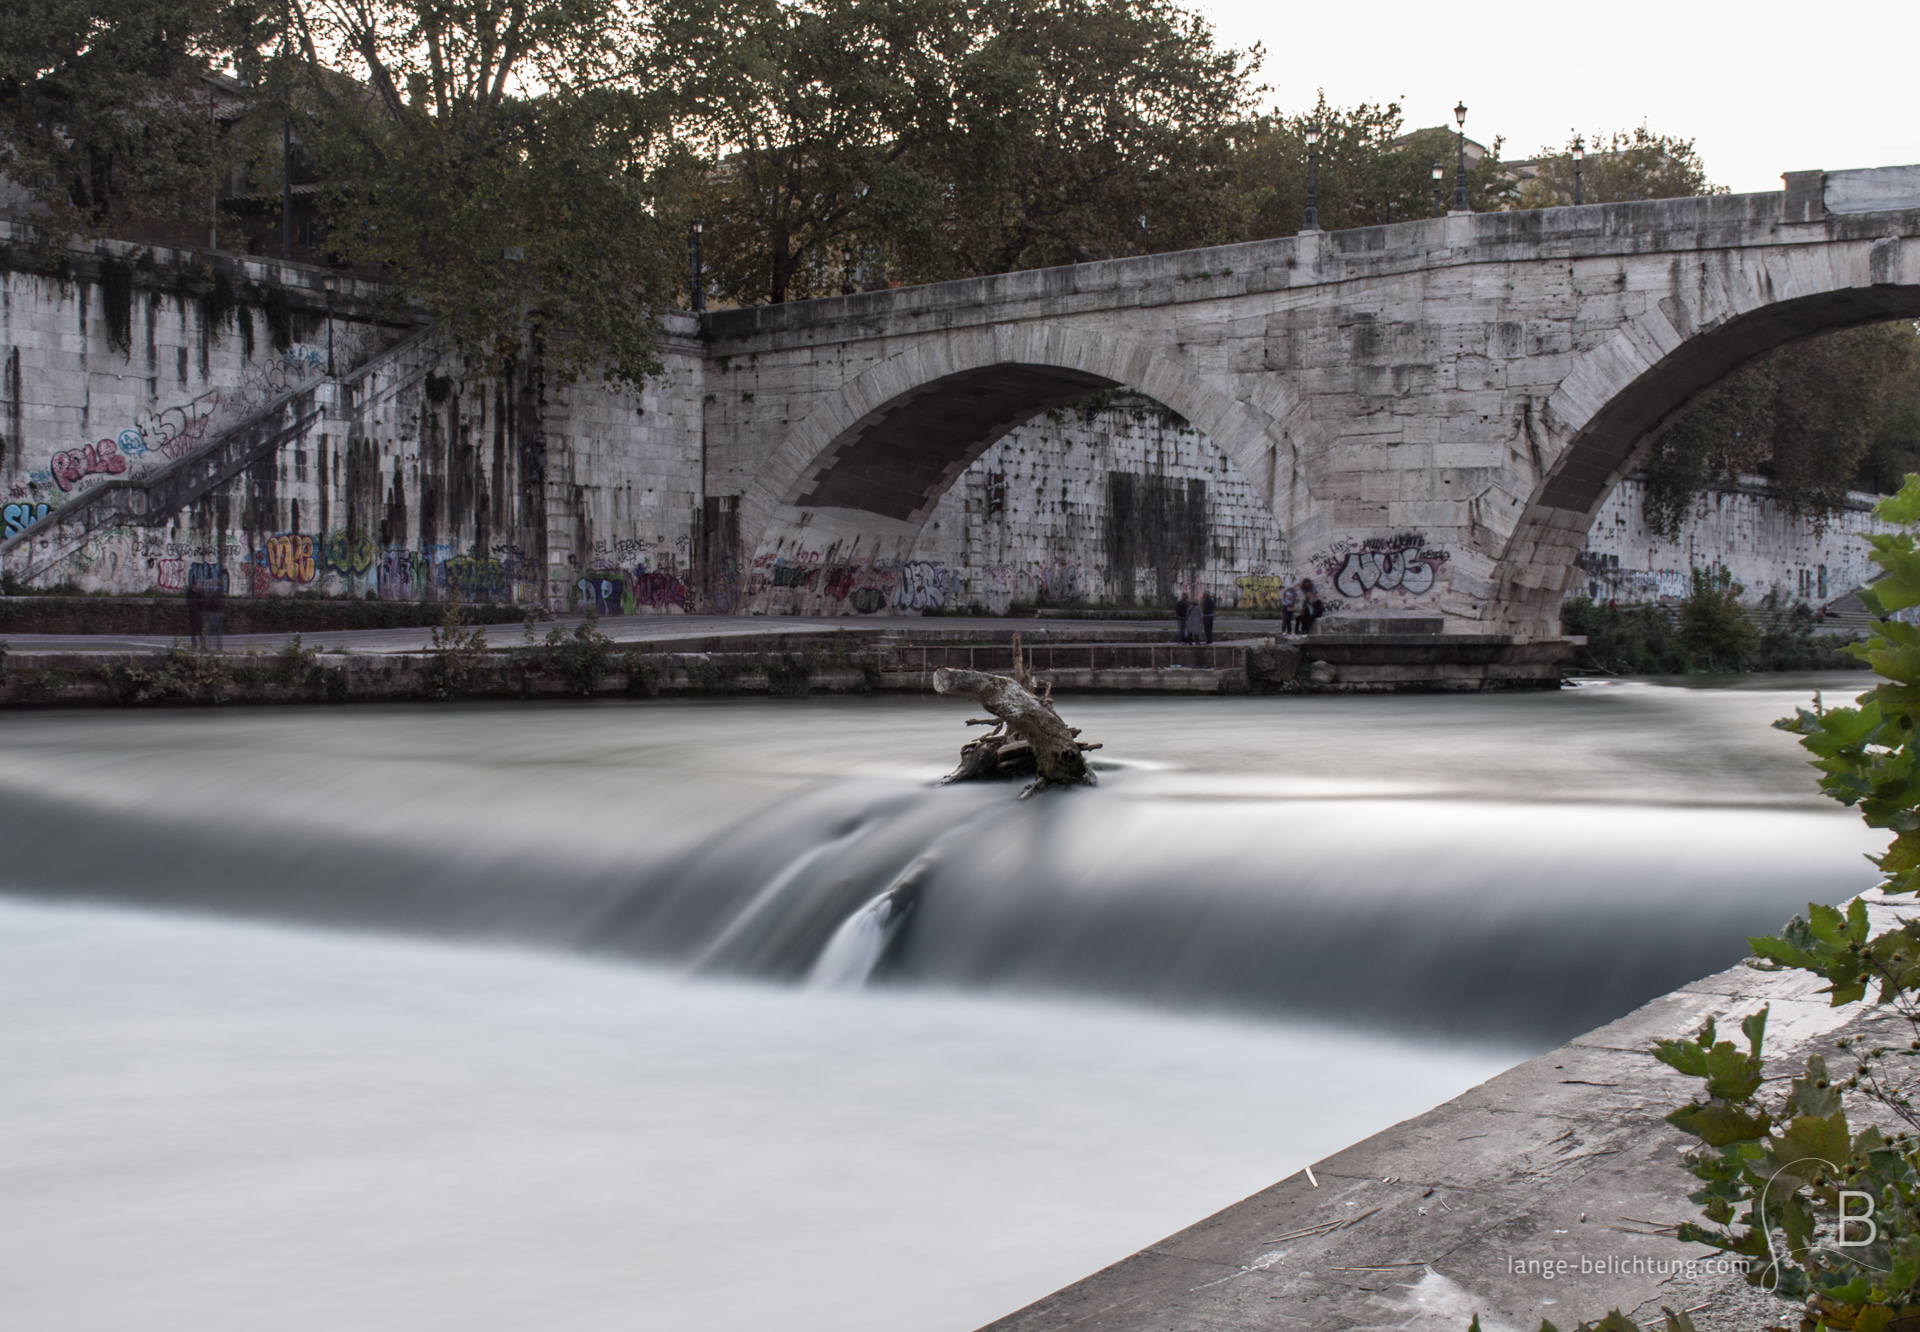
[[1313, 210], [1439, 174], [327, 281], [697, 286], [846, 271], [1579, 153], [1460, 204]]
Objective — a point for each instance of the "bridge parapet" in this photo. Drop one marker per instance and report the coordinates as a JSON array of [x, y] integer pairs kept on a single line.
[[1460, 392]]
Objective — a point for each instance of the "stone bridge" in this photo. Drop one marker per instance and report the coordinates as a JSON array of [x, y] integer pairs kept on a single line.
[[1434, 408]]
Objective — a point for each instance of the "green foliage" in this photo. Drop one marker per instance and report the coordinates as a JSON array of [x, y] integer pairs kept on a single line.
[[1631, 640], [116, 304], [1616, 1322], [1369, 170], [1788, 641], [935, 139], [1619, 167], [457, 648], [183, 675], [1818, 418], [581, 658], [108, 114], [1715, 632], [498, 167]]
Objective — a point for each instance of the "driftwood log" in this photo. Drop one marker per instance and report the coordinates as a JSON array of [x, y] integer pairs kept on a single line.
[[1026, 735]]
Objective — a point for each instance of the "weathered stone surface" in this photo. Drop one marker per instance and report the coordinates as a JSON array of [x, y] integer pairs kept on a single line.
[[1431, 412], [1562, 1164]]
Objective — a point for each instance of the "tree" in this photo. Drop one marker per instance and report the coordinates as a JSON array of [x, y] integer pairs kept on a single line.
[[1368, 170], [933, 139], [1619, 167], [1819, 418], [1086, 129], [491, 161], [809, 116], [110, 113]]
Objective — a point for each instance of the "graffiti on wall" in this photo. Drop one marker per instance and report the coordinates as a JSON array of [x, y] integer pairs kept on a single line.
[[347, 552], [1260, 591], [923, 586], [1402, 564], [101, 459], [811, 580], [290, 557], [17, 518]]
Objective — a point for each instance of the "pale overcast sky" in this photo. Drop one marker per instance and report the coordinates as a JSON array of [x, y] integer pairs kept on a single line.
[[1762, 88]]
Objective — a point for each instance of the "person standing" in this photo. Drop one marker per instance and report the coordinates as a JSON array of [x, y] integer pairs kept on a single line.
[[1196, 622], [214, 612], [1290, 601], [196, 618], [1206, 614], [1311, 607], [1180, 609]]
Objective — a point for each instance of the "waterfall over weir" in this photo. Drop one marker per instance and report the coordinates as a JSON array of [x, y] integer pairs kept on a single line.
[[1266, 887]]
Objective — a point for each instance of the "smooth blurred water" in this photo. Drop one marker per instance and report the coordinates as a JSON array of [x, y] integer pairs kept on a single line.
[[555, 1059]]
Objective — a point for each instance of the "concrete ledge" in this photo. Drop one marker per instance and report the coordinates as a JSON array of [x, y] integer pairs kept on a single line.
[[1563, 1158]]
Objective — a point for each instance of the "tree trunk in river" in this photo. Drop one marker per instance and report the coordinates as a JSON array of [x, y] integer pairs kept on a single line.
[[1028, 736]]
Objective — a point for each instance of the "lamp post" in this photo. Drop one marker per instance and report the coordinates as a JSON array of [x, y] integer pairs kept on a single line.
[[696, 283], [1579, 154], [846, 271], [1313, 203], [1460, 204], [327, 281], [1439, 174]]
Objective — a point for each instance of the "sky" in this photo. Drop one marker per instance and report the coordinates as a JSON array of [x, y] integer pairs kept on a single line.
[[1761, 88]]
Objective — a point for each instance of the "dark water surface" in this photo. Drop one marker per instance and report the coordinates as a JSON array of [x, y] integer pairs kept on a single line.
[[610, 1028]]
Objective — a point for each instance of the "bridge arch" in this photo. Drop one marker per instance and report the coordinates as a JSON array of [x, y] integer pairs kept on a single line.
[[864, 469], [1604, 416]]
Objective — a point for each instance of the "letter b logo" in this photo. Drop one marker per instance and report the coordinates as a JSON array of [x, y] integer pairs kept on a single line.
[[1849, 1219]]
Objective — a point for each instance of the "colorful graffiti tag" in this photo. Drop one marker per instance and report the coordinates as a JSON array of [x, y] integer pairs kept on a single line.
[[102, 458], [17, 518], [347, 552], [290, 557], [1260, 591]]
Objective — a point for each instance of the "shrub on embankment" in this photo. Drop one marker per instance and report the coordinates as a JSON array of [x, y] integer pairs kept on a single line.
[[167, 616], [1707, 631]]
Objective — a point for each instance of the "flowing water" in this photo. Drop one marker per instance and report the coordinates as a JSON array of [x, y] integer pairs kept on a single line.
[[723, 1015]]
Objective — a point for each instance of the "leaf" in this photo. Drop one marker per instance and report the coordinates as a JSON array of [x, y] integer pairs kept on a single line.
[[1814, 1094], [1719, 1124]]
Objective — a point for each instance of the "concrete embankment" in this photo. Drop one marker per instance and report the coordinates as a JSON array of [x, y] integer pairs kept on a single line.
[[782, 661], [1548, 1192]]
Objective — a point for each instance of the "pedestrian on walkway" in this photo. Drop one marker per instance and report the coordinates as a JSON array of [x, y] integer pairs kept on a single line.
[[196, 613], [1196, 623], [1311, 607], [1290, 602], [214, 614], [1180, 609], [1206, 614]]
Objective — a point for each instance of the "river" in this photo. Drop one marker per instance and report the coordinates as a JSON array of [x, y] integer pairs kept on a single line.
[[601, 1016]]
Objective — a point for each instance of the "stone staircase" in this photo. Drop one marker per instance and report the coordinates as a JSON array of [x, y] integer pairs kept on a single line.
[[154, 498]]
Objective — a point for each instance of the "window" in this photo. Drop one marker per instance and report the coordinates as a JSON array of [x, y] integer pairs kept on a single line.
[[307, 233]]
